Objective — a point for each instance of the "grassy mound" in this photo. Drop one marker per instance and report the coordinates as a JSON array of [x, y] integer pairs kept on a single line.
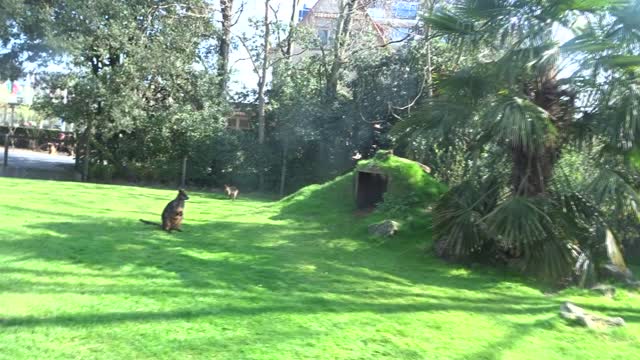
[[410, 190], [408, 178]]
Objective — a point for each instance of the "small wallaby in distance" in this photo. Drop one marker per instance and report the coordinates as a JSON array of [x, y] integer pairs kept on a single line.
[[173, 213], [232, 191]]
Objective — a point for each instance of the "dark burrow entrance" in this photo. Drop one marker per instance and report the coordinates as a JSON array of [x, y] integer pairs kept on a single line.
[[370, 187]]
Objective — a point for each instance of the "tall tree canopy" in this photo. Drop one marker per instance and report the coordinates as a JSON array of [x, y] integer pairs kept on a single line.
[[134, 83]]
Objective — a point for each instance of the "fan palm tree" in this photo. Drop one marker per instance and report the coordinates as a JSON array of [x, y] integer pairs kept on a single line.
[[522, 121]]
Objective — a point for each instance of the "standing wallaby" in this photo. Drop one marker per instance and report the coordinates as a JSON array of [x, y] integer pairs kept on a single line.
[[173, 213], [232, 191]]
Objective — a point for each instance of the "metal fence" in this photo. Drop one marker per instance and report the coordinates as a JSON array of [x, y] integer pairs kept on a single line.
[[49, 124]]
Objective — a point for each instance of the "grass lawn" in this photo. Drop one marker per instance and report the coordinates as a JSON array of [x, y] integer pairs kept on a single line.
[[82, 278]]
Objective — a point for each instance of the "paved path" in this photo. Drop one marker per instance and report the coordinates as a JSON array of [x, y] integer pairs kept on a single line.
[[39, 165]]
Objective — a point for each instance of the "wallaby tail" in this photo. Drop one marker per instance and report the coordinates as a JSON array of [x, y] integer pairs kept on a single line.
[[150, 223]]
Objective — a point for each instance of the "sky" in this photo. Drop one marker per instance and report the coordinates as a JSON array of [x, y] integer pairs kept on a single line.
[[242, 75]]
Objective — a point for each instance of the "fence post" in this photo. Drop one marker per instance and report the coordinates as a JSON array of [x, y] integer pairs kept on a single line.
[[6, 150], [184, 172]]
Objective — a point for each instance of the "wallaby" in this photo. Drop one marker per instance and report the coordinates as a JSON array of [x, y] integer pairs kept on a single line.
[[172, 214], [232, 191]]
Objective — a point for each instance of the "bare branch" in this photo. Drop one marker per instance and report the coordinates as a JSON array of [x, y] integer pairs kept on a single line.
[[239, 60], [413, 102], [286, 57], [238, 13], [243, 41], [275, 16], [202, 62], [395, 41]]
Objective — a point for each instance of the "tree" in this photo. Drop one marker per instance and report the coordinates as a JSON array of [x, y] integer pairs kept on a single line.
[[523, 121], [133, 87], [343, 30], [224, 43], [225, 40]]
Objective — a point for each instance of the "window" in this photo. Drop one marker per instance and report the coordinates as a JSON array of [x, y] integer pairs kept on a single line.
[[243, 124], [323, 34], [405, 10]]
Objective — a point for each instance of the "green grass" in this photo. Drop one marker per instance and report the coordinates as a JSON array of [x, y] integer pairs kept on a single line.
[[81, 278]]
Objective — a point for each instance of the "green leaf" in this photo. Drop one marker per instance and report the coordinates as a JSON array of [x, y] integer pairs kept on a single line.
[[590, 5], [622, 61], [635, 158], [449, 23]]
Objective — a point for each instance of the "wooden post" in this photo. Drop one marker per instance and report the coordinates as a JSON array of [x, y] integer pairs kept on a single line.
[[87, 150], [6, 150], [184, 173], [12, 129], [7, 136], [283, 170]]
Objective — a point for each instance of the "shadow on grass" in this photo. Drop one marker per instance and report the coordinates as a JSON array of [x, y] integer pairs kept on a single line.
[[235, 254], [301, 306], [243, 269], [283, 259]]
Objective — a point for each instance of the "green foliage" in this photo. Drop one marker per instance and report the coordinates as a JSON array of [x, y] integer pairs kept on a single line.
[[132, 87], [554, 151], [635, 159]]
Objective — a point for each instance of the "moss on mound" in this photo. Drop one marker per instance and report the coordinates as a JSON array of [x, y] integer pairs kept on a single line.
[[408, 178], [410, 185]]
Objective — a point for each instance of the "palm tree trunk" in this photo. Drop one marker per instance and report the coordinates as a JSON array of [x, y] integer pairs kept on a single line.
[[531, 172]]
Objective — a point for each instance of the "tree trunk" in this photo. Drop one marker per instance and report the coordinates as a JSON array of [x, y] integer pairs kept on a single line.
[[283, 170], [87, 150], [343, 28], [429, 4], [224, 44], [531, 172], [261, 86], [292, 26], [183, 178]]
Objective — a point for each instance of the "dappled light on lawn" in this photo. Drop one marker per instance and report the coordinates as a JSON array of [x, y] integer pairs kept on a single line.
[[82, 278]]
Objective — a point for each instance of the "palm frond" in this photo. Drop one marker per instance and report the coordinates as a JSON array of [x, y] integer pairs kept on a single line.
[[588, 5], [520, 122], [523, 226], [626, 26], [610, 188], [458, 224], [520, 223], [450, 24], [621, 61], [634, 158], [587, 42], [613, 251], [467, 87]]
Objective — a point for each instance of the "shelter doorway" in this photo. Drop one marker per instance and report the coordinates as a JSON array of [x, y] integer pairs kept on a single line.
[[370, 188]]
